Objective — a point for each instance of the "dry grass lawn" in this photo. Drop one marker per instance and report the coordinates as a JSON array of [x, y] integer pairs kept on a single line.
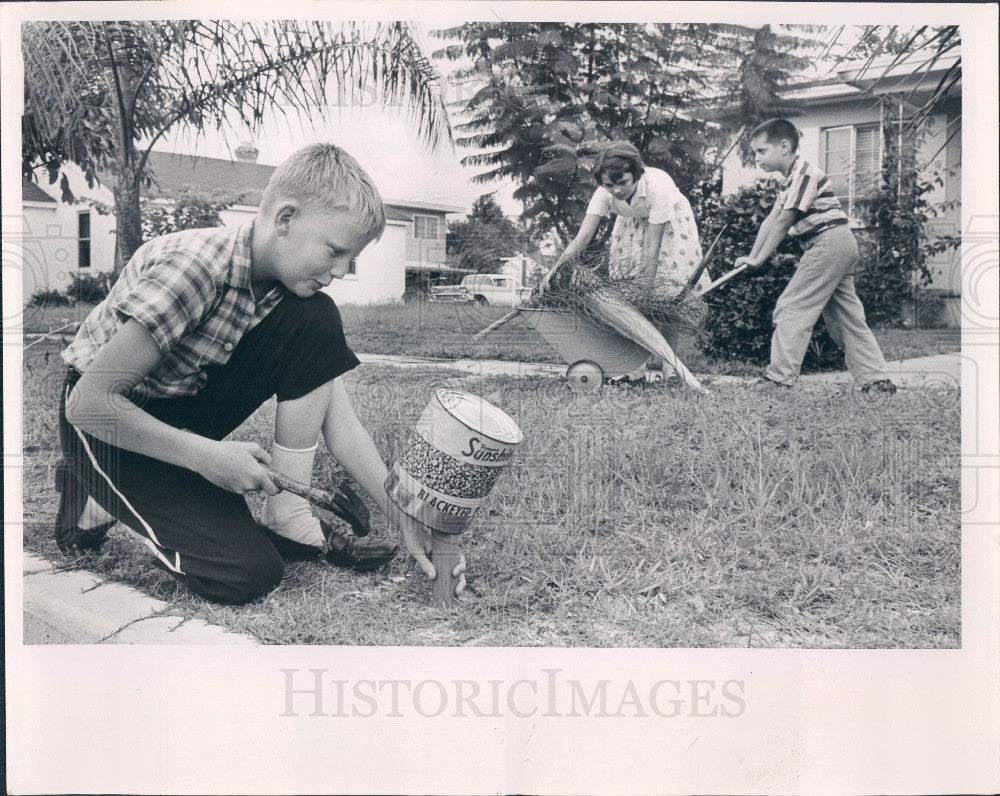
[[636, 517]]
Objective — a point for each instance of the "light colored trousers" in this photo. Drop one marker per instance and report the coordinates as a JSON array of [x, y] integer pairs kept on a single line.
[[823, 283]]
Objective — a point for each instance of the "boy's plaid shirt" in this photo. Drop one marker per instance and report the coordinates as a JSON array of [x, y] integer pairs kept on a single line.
[[192, 291]]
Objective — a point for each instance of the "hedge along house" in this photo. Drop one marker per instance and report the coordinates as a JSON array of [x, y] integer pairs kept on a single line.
[[842, 124], [414, 237]]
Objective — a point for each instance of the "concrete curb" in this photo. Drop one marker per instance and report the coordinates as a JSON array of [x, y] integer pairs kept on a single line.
[[937, 370], [79, 607]]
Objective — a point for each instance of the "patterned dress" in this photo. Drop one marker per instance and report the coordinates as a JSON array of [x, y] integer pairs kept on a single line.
[[656, 201]]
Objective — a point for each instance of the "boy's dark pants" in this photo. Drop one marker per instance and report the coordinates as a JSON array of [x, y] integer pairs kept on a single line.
[[200, 533]]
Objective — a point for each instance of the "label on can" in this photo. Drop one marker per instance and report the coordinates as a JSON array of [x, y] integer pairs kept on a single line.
[[435, 509]]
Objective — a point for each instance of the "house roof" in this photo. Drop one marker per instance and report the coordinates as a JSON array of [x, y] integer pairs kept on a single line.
[[30, 192], [174, 172], [920, 70]]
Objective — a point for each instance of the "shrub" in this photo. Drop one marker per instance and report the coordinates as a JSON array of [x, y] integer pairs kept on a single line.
[[190, 209], [50, 297], [895, 244], [738, 325], [88, 288]]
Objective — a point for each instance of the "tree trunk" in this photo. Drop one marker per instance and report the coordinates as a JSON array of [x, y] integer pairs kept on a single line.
[[128, 236], [123, 80]]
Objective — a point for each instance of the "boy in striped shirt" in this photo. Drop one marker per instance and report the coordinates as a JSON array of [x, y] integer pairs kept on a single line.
[[823, 283]]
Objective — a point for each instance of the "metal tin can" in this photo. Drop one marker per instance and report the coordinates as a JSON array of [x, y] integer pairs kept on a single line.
[[458, 448]]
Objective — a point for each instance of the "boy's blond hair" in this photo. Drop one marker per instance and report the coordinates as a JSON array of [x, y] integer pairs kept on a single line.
[[325, 177]]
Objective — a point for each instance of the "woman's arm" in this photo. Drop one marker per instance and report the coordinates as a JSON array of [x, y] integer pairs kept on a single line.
[[576, 246], [584, 236], [99, 405], [651, 254]]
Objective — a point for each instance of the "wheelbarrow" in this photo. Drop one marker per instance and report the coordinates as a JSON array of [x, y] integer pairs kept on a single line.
[[598, 352], [593, 352]]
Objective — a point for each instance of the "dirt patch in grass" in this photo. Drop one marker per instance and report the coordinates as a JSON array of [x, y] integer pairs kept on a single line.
[[635, 517]]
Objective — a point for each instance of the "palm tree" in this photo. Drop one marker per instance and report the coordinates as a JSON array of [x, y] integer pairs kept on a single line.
[[881, 48], [101, 94]]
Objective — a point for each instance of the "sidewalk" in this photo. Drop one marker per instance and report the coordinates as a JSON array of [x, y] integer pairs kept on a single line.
[[78, 607], [937, 370]]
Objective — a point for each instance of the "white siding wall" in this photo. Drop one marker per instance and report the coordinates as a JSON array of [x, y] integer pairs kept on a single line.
[[49, 244], [381, 271], [238, 215], [945, 270], [735, 175]]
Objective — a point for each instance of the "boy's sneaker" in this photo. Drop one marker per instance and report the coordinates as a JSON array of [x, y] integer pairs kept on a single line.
[[350, 552], [767, 381], [880, 385]]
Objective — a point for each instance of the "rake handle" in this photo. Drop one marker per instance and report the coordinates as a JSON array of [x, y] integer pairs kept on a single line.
[[496, 324], [739, 269], [704, 262]]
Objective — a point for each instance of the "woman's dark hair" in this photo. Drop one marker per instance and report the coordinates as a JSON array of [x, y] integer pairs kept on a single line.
[[616, 159]]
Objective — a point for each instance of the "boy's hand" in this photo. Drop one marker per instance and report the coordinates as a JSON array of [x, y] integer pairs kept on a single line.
[[237, 467], [417, 540], [749, 262]]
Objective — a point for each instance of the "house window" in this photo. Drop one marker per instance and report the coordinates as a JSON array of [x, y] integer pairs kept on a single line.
[[425, 227], [83, 238], [851, 156]]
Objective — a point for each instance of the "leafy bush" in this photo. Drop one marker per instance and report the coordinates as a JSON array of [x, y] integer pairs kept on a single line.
[[50, 297], [190, 209], [895, 244], [88, 288], [738, 325]]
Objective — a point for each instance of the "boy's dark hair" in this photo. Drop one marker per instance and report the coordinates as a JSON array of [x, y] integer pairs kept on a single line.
[[616, 159], [775, 130]]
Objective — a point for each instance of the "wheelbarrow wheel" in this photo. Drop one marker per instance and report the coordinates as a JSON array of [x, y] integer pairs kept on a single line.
[[584, 376]]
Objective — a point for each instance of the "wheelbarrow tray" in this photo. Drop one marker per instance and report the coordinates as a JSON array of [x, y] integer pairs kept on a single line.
[[576, 336]]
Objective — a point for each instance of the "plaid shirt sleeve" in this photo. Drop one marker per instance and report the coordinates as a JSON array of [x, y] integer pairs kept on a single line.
[[170, 298]]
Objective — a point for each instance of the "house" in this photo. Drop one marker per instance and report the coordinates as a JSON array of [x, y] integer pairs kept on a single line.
[[841, 124], [59, 239], [83, 240]]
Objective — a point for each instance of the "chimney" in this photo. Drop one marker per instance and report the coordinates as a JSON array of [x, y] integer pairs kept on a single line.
[[247, 152]]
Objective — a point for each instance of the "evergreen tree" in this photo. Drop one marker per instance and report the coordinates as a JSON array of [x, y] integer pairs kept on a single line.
[[547, 95], [484, 237]]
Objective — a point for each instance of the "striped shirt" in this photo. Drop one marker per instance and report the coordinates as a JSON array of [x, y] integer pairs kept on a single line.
[[807, 191], [192, 291]]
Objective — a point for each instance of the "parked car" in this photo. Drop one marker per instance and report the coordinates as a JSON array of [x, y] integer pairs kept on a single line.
[[483, 289]]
